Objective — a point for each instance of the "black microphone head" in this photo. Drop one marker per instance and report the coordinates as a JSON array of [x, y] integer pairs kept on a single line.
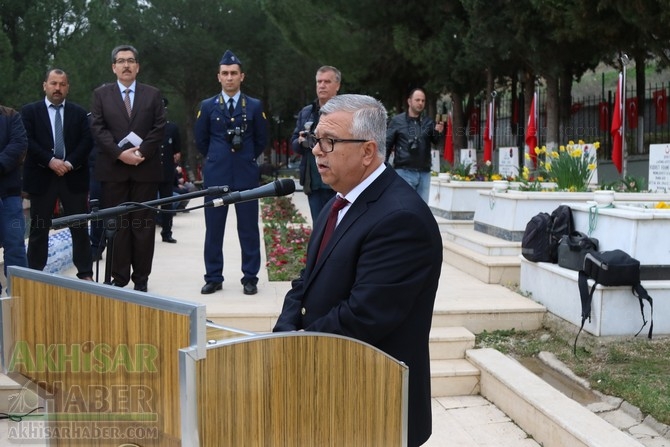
[[284, 186]]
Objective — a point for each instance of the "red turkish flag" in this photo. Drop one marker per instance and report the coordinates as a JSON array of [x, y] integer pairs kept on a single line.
[[617, 127], [531, 131], [631, 113], [604, 111], [449, 141], [473, 121], [661, 105], [488, 133]]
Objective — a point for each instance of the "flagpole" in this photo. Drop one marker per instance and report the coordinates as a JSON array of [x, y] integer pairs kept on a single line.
[[623, 58]]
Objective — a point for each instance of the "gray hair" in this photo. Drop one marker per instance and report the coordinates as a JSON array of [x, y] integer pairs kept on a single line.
[[369, 117], [116, 50], [327, 68]]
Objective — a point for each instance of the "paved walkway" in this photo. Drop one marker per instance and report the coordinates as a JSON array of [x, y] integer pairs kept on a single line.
[[464, 421]]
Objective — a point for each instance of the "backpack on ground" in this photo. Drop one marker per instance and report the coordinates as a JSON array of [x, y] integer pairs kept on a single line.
[[611, 268], [543, 234]]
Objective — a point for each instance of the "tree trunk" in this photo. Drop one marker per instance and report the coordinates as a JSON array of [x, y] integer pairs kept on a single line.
[[551, 103]]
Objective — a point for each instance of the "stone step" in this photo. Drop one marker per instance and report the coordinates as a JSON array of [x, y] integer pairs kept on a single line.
[[489, 269], [455, 377], [546, 414], [467, 237], [448, 343]]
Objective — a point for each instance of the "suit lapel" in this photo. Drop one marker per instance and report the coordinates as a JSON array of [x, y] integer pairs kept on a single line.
[[43, 115]]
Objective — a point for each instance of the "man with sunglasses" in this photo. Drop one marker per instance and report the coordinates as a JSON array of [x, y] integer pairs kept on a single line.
[[374, 260]]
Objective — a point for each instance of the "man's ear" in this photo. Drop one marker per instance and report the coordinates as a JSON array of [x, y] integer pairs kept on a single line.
[[369, 151]]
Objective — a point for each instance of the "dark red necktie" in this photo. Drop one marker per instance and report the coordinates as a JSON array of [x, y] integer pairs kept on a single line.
[[338, 204]]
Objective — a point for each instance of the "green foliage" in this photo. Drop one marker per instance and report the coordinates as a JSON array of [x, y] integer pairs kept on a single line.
[[627, 184]]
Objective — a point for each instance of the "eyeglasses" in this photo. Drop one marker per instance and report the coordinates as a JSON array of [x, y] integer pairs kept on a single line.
[[328, 144], [123, 61]]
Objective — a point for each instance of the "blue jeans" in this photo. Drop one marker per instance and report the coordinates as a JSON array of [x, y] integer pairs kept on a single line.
[[13, 232], [418, 180]]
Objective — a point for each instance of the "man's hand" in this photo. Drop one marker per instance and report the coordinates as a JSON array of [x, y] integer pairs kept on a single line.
[[59, 166], [132, 156]]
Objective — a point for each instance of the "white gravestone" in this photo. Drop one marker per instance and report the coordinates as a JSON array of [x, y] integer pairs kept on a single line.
[[659, 167]]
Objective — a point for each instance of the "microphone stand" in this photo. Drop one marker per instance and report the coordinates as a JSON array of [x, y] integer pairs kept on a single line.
[[111, 214]]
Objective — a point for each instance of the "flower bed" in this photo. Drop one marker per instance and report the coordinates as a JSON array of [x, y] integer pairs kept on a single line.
[[286, 238]]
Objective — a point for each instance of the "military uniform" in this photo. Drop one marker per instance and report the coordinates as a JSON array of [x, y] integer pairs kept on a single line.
[[230, 144]]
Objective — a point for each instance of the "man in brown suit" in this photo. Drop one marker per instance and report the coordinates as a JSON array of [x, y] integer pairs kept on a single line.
[[129, 171]]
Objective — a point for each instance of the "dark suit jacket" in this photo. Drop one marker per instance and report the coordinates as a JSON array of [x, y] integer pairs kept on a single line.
[[111, 124], [376, 281], [13, 145], [78, 143]]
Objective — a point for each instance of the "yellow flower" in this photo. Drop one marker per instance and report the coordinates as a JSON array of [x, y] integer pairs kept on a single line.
[[547, 166], [596, 145], [527, 156], [554, 154], [661, 205], [496, 177], [577, 153], [592, 166]]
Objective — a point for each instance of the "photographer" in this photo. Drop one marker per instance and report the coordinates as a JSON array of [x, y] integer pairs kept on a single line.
[[231, 132], [328, 80], [409, 137]]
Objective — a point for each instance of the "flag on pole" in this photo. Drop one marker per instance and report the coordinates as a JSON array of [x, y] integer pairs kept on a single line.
[[488, 133], [531, 130], [449, 141], [617, 127]]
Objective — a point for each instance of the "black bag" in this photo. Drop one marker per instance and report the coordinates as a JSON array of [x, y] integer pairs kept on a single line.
[[572, 249], [543, 233], [535, 241], [612, 268], [561, 225]]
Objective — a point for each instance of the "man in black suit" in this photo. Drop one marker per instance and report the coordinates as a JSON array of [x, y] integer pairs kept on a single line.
[[170, 156], [376, 277], [56, 168], [129, 172]]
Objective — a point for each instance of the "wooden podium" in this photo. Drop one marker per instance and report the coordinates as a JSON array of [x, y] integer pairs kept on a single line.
[[112, 366]]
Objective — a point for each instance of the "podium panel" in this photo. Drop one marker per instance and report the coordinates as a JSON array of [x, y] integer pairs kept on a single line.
[[299, 388], [103, 360]]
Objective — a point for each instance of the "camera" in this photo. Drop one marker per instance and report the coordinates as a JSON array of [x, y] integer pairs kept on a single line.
[[235, 138]]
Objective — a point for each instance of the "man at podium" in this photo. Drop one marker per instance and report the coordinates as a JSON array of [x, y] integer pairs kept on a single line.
[[373, 262]]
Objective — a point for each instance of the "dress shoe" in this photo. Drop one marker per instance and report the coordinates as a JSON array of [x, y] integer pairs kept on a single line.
[[169, 239], [116, 284], [142, 287], [86, 278], [250, 289], [210, 287]]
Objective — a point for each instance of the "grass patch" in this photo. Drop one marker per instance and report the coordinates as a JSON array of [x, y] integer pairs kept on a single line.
[[635, 369]]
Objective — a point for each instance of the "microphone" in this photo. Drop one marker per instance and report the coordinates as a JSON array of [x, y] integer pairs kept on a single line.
[[277, 188]]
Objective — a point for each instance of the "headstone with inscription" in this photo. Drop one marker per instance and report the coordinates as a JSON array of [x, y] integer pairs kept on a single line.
[[508, 162], [659, 167]]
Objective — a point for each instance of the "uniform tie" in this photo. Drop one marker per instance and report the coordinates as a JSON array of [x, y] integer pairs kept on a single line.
[[59, 141], [126, 101], [231, 107], [338, 204]]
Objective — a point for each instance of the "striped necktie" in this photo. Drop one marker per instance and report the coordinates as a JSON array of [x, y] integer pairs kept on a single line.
[[59, 140], [126, 101]]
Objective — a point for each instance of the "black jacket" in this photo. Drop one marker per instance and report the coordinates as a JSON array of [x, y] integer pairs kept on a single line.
[[410, 140], [13, 147]]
